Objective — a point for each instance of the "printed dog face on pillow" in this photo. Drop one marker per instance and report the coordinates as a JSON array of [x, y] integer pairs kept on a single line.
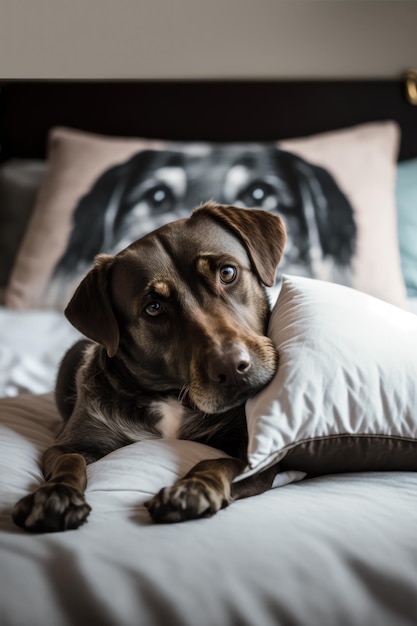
[[157, 186]]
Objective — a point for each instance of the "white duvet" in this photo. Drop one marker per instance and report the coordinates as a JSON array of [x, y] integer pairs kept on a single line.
[[336, 550], [330, 551], [32, 343]]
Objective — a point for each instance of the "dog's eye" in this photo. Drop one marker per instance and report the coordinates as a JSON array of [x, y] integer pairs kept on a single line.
[[154, 309], [228, 273], [160, 197], [258, 194]]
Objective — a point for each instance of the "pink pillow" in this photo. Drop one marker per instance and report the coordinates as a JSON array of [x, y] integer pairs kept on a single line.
[[336, 192]]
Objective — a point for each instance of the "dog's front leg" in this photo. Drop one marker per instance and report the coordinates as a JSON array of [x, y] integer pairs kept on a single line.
[[59, 503], [200, 493], [206, 489]]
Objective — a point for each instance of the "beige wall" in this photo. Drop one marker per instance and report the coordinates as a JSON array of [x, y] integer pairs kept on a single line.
[[203, 39]]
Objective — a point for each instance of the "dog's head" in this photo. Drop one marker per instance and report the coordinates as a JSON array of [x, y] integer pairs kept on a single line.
[[155, 187], [186, 307]]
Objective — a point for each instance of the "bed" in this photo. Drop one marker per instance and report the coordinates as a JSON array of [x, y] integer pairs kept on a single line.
[[337, 547]]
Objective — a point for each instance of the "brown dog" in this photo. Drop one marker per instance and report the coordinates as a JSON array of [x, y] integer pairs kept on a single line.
[[178, 322]]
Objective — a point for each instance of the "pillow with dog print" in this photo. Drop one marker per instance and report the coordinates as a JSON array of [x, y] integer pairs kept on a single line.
[[344, 397], [336, 193]]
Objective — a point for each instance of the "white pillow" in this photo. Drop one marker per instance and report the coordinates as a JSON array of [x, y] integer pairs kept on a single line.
[[345, 394]]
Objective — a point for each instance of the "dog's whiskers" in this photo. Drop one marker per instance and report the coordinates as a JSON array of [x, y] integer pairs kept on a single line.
[[184, 398], [100, 371], [184, 391]]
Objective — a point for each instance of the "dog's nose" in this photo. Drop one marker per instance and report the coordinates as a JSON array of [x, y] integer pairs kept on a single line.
[[228, 369]]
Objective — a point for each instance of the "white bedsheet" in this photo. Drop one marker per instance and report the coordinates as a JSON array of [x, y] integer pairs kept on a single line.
[[32, 344], [330, 551]]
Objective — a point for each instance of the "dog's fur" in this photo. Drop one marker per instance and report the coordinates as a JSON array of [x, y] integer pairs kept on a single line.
[[177, 343]]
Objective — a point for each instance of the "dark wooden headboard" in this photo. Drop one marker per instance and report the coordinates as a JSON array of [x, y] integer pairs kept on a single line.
[[197, 110]]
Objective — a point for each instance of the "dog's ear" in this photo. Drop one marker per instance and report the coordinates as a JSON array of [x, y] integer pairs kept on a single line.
[[90, 309], [333, 213], [262, 233]]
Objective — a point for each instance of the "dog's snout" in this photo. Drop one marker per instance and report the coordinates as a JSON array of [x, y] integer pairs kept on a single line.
[[229, 368]]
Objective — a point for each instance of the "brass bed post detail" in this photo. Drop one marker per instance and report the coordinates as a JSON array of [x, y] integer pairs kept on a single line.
[[411, 86]]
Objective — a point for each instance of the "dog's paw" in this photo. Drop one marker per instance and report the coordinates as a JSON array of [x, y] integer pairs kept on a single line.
[[189, 498], [51, 508]]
